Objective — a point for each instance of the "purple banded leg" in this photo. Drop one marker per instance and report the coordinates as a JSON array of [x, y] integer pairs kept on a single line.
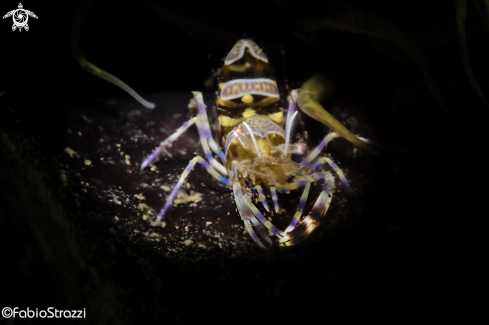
[[246, 214], [301, 181], [333, 135], [252, 233], [208, 154], [300, 208], [262, 218], [321, 206], [206, 126], [261, 230], [273, 191], [184, 175], [167, 142], [261, 197], [306, 183], [320, 147], [341, 175]]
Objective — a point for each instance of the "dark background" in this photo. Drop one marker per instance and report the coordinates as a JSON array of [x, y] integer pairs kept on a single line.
[[402, 262]]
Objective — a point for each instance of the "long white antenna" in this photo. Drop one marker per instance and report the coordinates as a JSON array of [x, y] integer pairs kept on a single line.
[[254, 141], [288, 131]]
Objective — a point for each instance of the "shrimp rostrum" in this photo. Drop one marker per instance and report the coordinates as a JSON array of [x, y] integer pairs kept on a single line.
[[257, 145]]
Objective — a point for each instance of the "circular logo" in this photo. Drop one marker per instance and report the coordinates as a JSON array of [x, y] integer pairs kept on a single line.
[[20, 17], [7, 312]]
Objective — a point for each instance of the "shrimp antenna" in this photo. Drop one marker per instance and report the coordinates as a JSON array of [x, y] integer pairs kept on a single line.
[[254, 141], [288, 131]]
